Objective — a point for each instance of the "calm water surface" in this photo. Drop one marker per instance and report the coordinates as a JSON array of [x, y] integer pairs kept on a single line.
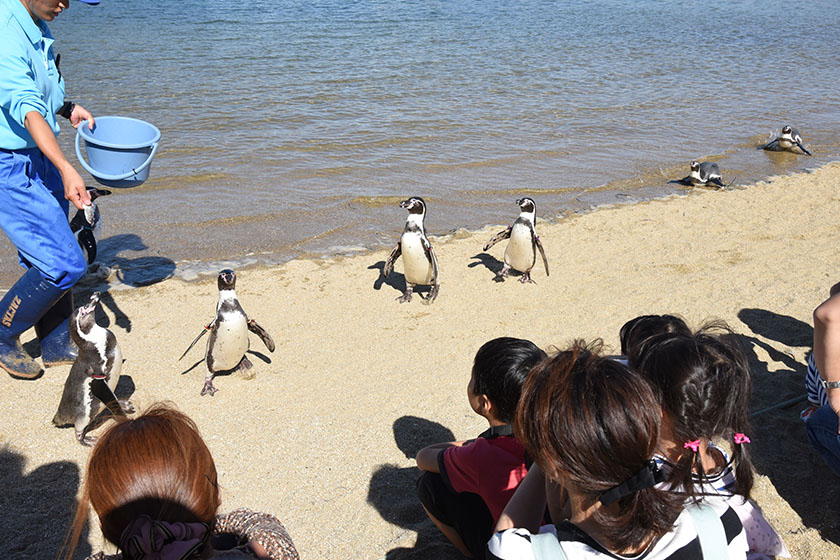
[[294, 128]]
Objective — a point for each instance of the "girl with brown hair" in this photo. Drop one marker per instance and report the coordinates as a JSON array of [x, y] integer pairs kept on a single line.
[[591, 425], [153, 484]]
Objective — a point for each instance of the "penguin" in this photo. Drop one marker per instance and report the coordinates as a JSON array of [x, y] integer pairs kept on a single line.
[[93, 376], [228, 340], [787, 141], [87, 225], [419, 261], [521, 251], [706, 174]]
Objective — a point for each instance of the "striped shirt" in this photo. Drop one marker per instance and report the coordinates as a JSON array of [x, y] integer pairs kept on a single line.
[[681, 543], [816, 392]]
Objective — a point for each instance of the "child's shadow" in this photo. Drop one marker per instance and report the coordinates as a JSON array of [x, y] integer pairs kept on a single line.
[[393, 492], [38, 507], [781, 450]]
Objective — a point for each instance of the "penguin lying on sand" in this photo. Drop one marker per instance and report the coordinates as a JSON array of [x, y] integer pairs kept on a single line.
[[419, 260], [788, 141], [521, 251], [706, 174], [228, 340], [87, 225], [93, 376]]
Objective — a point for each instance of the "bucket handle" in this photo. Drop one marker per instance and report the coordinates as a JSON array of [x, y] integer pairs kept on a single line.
[[106, 176]]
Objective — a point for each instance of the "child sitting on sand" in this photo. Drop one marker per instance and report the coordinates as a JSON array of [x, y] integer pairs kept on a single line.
[[703, 381], [466, 484], [153, 484], [592, 426]]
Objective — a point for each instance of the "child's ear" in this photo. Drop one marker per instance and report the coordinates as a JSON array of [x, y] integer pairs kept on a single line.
[[485, 407]]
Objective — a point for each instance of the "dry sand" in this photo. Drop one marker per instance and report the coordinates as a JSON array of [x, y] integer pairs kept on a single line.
[[324, 433]]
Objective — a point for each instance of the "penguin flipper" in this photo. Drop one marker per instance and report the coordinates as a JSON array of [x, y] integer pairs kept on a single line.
[[801, 147], [430, 254], [504, 234], [88, 243], [202, 333], [99, 389], [772, 145], [392, 258], [539, 245], [255, 328]]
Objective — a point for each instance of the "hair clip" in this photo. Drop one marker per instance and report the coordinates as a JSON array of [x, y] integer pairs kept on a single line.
[[649, 475], [693, 445], [741, 438]]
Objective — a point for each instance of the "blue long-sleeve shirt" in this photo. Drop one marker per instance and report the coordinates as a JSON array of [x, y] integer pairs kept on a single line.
[[29, 79]]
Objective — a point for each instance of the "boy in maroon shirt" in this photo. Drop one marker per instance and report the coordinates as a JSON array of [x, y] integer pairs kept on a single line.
[[466, 484]]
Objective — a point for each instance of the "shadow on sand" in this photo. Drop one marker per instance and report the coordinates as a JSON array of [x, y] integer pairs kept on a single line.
[[38, 508], [781, 450], [393, 493]]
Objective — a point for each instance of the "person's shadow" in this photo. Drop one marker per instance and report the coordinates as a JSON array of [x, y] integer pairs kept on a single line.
[[393, 492], [781, 450], [38, 508]]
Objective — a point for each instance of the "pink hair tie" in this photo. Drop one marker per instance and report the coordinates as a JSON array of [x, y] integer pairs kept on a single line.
[[693, 445], [741, 438]]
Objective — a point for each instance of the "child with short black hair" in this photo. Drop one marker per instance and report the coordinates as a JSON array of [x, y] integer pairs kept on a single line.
[[637, 333], [466, 484], [704, 385]]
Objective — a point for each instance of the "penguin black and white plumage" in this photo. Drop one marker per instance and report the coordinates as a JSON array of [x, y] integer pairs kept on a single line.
[[787, 141], [87, 224], [228, 340], [93, 376], [706, 174], [521, 251], [420, 264]]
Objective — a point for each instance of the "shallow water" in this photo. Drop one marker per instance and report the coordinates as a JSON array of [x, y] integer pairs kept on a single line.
[[294, 128]]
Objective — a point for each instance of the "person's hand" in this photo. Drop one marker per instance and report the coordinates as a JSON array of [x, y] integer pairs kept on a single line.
[[74, 187], [80, 114]]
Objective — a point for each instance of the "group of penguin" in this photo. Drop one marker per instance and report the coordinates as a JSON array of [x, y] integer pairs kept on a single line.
[[421, 265], [95, 372]]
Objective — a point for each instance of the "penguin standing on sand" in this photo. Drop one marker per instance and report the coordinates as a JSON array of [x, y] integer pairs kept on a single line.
[[521, 251], [87, 224], [228, 340], [419, 260], [706, 174], [93, 376], [788, 141]]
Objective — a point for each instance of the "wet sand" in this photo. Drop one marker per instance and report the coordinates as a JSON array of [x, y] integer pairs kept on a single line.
[[324, 430]]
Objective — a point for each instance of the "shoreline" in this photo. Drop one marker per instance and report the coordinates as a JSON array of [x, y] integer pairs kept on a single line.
[[196, 270], [323, 433]]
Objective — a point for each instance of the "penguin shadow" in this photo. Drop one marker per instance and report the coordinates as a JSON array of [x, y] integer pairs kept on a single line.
[[393, 492], [780, 448], [395, 279], [489, 262], [136, 272], [38, 507]]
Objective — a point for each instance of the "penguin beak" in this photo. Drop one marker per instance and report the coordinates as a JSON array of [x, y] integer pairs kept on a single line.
[[405, 203], [91, 305], [801, 147]]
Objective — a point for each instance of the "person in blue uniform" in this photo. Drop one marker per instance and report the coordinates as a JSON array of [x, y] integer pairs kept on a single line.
[[37, 183]]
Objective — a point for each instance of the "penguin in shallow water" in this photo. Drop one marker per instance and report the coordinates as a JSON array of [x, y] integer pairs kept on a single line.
[[788, 141], [87, 224], [228, 340], [706, 174], [93, 376], [521, 251], [419, 261]]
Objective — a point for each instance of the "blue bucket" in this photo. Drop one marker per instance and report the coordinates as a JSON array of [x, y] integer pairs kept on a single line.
[[120, 150]]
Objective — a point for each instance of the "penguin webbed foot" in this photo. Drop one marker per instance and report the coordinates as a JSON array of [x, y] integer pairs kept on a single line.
[[244, 364], [84, 439], [406, 297], [502, 274], [208, 388], [433, 293], [126, 406], [526, 278]]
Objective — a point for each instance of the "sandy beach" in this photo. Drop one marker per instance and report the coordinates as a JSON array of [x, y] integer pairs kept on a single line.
[[324, 431]]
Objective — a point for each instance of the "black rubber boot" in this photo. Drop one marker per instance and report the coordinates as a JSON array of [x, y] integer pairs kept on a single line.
[[54, 333]]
